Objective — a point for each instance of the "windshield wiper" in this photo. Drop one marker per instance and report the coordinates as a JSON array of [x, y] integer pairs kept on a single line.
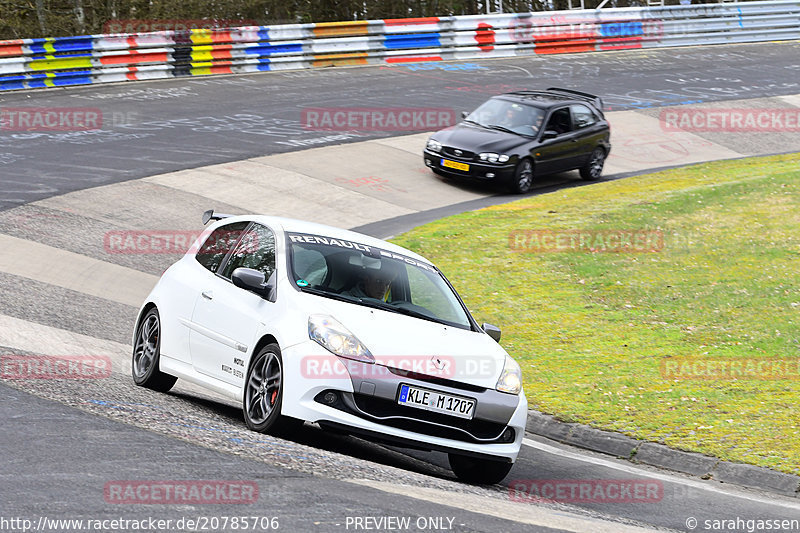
[[327, 294], [501, 128], [377, 304], [468, 121], [371, 302], [417, 314]]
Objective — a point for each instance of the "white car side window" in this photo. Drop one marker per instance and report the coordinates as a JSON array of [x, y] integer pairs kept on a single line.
[[255, 250], [218, 244]]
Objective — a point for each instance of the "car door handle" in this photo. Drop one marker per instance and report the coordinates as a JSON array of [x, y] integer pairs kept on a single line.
[[208, 295]]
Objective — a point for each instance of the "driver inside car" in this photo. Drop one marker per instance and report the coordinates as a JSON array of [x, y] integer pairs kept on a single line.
[[522, 121], [537, 123], [375, 283], [513, 117]]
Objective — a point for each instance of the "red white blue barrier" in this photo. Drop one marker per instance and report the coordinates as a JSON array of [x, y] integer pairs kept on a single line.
[[63, 61]]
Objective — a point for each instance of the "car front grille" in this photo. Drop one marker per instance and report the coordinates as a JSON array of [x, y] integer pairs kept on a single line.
[[391, 414], [458, 153], [435, 380]]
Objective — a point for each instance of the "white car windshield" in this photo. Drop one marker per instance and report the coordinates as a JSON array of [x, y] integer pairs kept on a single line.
[[373, 277]]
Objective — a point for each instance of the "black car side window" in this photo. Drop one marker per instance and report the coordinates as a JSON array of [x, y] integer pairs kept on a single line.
[[560, 121], [255, 250], [218, 244], [583, 116]]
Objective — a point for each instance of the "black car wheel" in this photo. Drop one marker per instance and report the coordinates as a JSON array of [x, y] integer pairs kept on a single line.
[[146, 355], [523, 177], [593, 168], [478, 471], [263, 394]]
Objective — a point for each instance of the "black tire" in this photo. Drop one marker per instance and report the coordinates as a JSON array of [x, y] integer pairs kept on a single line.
[[478, 471], [593, 168], [523, 177], [147, 355], [263, 394]]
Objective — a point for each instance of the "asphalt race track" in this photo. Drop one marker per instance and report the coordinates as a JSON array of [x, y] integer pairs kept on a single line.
[[155, 127], [67, 291]]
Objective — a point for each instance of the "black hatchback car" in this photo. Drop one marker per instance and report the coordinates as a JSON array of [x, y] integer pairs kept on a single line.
[[513, 138]]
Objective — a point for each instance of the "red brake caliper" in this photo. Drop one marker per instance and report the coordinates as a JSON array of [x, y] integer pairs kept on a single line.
[[274, 395]]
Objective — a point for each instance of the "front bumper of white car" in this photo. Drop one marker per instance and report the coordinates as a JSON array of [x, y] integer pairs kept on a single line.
[[357, 399]]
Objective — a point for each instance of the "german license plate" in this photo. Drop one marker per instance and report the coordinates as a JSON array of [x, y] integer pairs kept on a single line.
[[455, 164], [437, 402]]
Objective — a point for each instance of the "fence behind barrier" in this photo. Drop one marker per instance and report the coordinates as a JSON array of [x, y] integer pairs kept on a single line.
[[62, 61]]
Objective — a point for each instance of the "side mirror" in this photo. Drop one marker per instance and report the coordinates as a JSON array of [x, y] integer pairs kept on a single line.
[[549, 134], [464, 114], [254, 281], [492, 331]]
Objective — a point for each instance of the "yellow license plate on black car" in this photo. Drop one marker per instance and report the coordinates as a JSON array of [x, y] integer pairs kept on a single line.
[[455, 164]]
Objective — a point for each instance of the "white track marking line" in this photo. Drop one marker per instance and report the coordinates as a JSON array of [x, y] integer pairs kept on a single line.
[[72, 271], [25, 336], [18, 334], [792, 99], [524, 513], [631, 469], [303, 195], [526, 71]]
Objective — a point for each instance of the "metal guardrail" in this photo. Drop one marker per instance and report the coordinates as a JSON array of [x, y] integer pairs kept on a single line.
[[63, 61]]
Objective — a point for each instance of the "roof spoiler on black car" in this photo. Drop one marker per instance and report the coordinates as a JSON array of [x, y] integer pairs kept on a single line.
[[211, 215], [596, 100]]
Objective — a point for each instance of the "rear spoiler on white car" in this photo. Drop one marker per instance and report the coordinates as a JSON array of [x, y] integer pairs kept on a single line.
[[210, 215]]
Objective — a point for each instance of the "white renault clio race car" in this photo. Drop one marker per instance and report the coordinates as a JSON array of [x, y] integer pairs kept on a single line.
[[305, 322]]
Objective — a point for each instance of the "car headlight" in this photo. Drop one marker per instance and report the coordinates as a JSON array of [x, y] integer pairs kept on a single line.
[[511, 378], [492, 157], [434, 145], [337, 339]]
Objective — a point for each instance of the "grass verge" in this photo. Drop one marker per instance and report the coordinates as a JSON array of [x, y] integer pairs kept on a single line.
[[593, 330]]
